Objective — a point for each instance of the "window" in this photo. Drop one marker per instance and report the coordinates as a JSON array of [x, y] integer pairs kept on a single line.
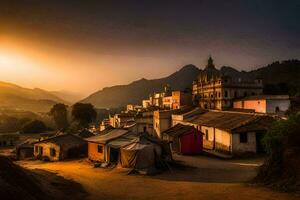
[[226, 94], [243, 137], [36, 149], [206, 134], [219, 94], [100, 149], [235, 94], [41, 150], [52, 152]]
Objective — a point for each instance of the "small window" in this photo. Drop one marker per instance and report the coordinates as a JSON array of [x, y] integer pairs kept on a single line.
[[100, 149], [219, 94], [235, 94], [226, 94], [52, 152], [206, 134], [243, 137], [36, 149]]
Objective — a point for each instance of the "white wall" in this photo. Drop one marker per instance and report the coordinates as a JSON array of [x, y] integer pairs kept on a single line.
[[238, 147], [283, 105]]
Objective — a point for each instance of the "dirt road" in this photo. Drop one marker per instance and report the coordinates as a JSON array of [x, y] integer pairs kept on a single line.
[[206, 178]]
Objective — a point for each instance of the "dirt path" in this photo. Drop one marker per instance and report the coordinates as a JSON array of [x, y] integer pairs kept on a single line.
[[207, 178]]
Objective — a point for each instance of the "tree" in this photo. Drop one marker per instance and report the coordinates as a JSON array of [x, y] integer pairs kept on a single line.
[[35, 126], [282, 143], [59, 114], [84, 113]]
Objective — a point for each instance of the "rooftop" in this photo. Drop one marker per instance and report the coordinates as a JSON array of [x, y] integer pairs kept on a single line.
[[222, 120], [266, 97], [178, 130], [103, 139], [64, 140]]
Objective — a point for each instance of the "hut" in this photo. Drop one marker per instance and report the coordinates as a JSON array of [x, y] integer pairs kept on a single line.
[[60, 147], [98, 148], [25, 149], [184, 139], [232, 133]]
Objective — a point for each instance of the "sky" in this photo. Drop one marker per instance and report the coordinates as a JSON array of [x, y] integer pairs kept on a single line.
[[83, 46]]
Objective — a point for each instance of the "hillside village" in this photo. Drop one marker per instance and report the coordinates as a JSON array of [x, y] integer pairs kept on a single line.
[[221, 116], [219, 121]]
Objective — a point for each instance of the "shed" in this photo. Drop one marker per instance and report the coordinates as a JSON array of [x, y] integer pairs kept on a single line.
[[230, 132], [60, 147], [25, 149], [98, 150], [184, 139]]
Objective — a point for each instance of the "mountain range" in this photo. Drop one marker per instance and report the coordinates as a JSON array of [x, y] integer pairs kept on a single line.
[[135, 92], [16, 97], [278, 77]]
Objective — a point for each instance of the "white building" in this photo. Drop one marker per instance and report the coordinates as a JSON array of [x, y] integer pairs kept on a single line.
[[270, 104]]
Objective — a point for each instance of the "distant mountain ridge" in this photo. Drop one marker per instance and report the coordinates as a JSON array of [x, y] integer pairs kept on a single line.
[[17, 97], [286, 72], [135, 92]]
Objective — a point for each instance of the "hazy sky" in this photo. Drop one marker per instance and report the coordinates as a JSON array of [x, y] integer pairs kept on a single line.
[[83, 47]]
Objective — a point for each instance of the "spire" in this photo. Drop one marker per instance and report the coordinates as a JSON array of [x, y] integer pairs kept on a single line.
[[210, 63]]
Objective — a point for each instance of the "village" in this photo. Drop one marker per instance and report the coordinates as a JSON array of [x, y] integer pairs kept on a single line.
[[210, 133]]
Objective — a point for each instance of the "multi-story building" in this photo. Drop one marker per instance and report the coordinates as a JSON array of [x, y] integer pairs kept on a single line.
[[215, 90]]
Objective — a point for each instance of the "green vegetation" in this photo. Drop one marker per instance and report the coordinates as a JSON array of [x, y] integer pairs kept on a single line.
[[35, 126], [84, 114], [282, 167], [60, 115]]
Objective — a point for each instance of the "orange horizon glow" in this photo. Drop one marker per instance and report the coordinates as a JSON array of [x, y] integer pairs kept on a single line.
[[36, 64]]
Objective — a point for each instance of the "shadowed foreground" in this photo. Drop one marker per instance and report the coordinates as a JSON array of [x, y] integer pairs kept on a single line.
[[203, 178], [17, 183]]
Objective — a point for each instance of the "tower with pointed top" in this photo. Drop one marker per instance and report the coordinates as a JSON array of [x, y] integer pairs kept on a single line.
[[210, 63], [214, 89]]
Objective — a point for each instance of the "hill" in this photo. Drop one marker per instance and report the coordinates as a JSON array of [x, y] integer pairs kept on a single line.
[[135, 92], [16, 97], [278, 78], [68, 96]]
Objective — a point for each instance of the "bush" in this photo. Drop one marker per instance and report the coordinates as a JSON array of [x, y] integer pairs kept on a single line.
[[282, 167]]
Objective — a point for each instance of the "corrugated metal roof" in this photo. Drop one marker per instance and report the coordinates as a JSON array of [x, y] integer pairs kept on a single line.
[[223, 120], [114, 133], [64, 140], [178, 129]]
